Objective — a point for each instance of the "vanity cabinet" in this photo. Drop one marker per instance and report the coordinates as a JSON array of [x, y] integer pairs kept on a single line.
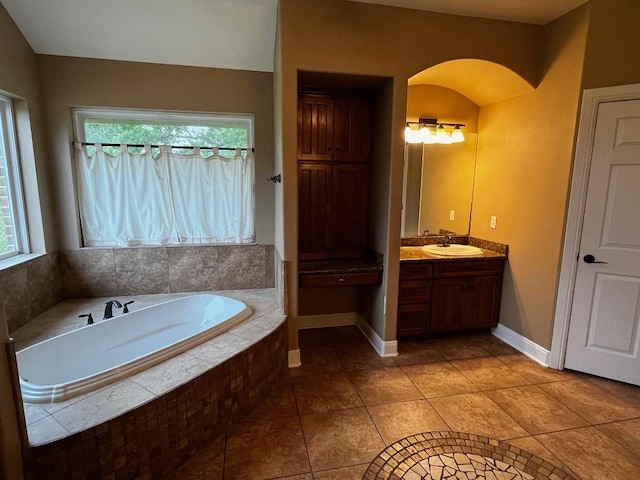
[[334, 149], [463, 295], [414, 298]]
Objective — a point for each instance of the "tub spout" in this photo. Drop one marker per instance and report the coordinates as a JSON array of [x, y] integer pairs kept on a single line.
[[108, 309]]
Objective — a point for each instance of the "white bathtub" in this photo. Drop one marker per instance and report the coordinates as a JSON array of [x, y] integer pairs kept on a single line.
[[96, 355]]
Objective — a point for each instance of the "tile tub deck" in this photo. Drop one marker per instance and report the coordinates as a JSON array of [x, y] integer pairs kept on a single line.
[[215, 380]]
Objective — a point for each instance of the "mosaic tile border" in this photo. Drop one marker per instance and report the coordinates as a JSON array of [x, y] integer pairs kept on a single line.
[[157, 437], [407, 458]]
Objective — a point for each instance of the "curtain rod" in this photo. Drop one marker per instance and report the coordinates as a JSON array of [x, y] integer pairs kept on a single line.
[[140, 145]]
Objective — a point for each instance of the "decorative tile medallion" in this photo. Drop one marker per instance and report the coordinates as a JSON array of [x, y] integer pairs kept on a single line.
[[459, 456]]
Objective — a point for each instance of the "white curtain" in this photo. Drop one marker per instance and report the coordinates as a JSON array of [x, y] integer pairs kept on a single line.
[[141, 199]]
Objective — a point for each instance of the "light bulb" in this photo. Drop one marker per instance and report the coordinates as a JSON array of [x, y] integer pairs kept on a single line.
[[442, 136], [411, 135], [426, 136], [457, 136]]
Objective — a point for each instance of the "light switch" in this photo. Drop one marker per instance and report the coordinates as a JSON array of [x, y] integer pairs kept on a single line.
[[494, 221], [452, 215]]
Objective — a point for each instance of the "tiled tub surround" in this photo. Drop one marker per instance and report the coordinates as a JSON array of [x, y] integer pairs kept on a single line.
[[32, 287], [151, 422], [29, 289]]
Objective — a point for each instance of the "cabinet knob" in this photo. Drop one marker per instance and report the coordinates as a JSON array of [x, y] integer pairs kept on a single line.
[[341, 280], [328, 149]]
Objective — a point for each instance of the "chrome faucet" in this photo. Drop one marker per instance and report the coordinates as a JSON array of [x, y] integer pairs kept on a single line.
[[446, 241], [108, 309]]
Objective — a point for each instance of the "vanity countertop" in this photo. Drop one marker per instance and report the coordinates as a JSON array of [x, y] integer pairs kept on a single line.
[[417, 253]]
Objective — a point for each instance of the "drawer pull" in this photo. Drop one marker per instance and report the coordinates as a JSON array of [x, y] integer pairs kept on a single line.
[[342, 280]]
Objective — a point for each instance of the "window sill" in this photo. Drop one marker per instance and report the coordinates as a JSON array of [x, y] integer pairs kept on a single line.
[[18, 259]]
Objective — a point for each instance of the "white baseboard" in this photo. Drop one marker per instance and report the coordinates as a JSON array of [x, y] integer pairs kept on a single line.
[[384, 349], [328, 320], [523, 344], [294, 358]]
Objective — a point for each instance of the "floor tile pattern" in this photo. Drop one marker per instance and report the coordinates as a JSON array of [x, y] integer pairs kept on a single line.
[[458, 456], [345, 405]]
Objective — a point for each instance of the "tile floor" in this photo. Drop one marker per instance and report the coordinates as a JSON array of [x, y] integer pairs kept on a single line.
[[329, 418]]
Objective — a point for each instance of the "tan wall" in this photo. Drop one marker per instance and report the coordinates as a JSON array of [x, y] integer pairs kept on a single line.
[[73, 82], [18, 76], [613, 44], [356, 38], [522, 176]]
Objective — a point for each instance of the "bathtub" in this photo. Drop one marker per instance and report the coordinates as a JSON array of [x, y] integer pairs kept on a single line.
[[90, 357]]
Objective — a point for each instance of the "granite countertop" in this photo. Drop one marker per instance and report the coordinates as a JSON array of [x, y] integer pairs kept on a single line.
[[341, 265], [417, 253]]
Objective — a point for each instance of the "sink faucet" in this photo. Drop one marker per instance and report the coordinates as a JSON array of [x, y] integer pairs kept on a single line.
[[108, 309], [446, 241]]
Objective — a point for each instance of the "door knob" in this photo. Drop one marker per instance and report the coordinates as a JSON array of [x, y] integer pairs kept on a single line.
[[590, 259]]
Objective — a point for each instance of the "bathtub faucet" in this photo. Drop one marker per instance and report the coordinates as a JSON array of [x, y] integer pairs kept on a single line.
[[108, 309]]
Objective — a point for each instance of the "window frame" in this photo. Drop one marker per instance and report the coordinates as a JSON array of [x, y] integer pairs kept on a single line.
[[161, 117], [14, 178]]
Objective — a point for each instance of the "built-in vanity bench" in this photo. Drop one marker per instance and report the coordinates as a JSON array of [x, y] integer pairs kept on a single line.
[[445, 294], [340, 272]]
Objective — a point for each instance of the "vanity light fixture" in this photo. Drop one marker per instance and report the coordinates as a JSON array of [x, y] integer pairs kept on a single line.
[[429, 130]]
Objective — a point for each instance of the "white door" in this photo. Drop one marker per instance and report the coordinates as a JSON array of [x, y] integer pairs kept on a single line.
[[604, 330]]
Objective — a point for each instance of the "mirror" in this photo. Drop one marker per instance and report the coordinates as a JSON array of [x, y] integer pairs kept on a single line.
[[438, 180]]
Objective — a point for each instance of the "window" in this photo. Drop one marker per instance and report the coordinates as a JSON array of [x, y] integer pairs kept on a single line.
[[149, 178], [13, 230]]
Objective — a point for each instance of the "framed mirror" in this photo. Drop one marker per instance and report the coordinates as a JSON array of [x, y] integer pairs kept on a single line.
[[438, 187]]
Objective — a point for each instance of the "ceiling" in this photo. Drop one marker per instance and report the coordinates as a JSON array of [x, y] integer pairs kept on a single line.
[[235, 34]]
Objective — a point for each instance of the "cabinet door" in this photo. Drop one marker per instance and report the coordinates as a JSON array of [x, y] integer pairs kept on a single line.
[[482, 302], [413, 320], [314, 211], [465, 303], [350, 204], [447, 296], [351, 130], [315, 128]]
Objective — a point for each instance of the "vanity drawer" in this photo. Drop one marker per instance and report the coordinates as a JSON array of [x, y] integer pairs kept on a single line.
[[411, 270], [338, 280], [467, 268], [414, 291]]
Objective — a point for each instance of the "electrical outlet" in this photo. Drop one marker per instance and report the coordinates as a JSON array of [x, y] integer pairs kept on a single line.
[[493, 222], [452, 215]]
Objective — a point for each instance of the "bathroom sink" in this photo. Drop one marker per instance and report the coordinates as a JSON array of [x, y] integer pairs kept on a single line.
[[453, 250]]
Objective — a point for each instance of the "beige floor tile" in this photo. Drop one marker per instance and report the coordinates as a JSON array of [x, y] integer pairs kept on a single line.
[[280, 403], [623, 391], [171, 373], [477, 413], [536, 411], [489, 373], [271, 449], [492, 344], [592, 454], [347, 473], [341, 438], [317, 360], [46, 430], [356, 357], [384, 385], [534, 372], [590, 401], [531, 445], [439, 379], [459, 347], [414, 351], [398, 420], [321, 393], [626, 433]]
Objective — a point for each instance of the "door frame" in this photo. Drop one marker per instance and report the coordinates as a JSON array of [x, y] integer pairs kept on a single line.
[[591, 100]]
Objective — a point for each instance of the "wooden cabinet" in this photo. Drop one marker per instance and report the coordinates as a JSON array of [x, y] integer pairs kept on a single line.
[[414, 299], [334, 128], [334, 149], [463, 295]]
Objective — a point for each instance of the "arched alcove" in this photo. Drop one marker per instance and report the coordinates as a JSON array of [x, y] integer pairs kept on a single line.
[[481, 81]]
